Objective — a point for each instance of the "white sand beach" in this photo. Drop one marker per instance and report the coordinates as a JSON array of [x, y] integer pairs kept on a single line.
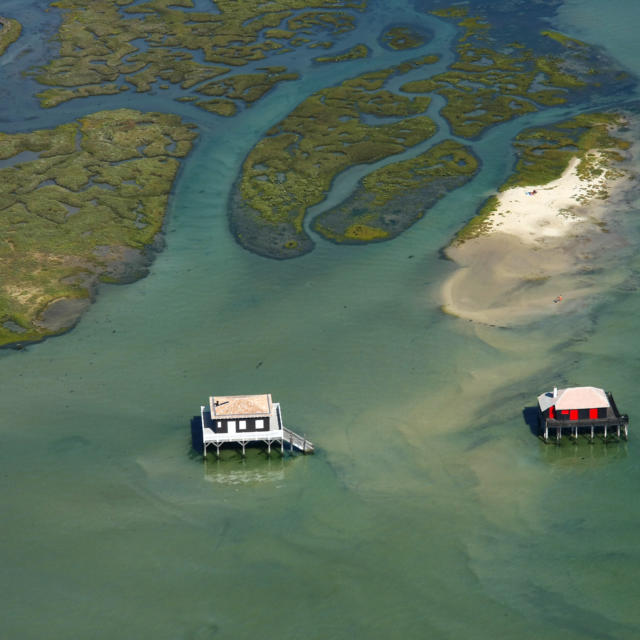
[[537, 252]]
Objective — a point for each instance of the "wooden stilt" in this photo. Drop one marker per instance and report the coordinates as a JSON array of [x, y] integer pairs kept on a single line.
[[605, 431], [217, 450], [243, 443], [546, 432], [591, 434], [626, 432], [269, 447], [558, 433], [618, 432]]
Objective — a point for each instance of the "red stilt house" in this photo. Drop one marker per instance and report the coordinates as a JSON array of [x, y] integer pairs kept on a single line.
[[580, 409]]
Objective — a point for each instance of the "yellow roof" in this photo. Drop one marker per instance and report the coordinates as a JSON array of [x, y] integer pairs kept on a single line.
[[229, 406]]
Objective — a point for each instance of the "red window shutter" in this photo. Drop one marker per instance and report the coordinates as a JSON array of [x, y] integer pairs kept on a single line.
[[573, 414], [552, 413], [593, 414], [565, 412]]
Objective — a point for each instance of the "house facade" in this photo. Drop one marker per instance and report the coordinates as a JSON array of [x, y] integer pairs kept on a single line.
[[244, 414]]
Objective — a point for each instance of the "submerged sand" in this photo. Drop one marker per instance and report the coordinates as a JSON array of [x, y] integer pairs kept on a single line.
[[540, 252]]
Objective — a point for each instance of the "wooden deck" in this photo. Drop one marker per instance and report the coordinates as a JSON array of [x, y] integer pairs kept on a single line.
[[606, 427], [274, 438]]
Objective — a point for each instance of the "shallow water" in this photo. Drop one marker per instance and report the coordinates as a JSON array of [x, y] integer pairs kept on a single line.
[[429, 509]]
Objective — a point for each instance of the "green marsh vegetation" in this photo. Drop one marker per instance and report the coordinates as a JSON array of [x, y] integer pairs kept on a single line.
[[403, 37], [292, 168], [391, 199], [357, 51], [479, 224], [246, 88], [108, 46], [544, 152], [492, 82], [10, 31], [82, 203]]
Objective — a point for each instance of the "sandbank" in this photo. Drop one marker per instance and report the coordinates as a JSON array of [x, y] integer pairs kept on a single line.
[[540, 251]]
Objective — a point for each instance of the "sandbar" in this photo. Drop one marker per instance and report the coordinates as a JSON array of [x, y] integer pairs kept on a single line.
[[540, 251]]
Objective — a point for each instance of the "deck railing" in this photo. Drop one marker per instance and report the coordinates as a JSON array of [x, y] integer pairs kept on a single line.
[[594, 422]]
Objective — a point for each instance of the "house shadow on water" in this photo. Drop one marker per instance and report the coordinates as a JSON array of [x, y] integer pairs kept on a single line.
[[196, 435], [231, 468], [250, 470], [531, 417]]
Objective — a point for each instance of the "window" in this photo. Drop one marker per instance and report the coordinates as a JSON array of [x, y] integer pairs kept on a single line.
[[242, 425], [232, 426], [219, 425], [593, 414], [259, 424]]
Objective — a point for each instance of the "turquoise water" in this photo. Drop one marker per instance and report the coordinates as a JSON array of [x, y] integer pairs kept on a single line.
[[429, 510]]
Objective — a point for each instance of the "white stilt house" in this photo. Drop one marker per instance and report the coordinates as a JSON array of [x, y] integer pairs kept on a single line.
[[245, 419]]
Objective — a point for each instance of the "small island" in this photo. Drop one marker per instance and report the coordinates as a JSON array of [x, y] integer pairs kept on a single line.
[[357, 51], [402, 37]]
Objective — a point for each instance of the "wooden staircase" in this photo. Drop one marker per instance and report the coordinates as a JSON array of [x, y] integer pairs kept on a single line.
[[294, 440]]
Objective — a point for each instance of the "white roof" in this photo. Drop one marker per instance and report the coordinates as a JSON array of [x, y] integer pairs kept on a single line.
[[574, 398], [230, 406]]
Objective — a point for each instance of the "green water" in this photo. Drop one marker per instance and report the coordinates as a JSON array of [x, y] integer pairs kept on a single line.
[[429, 509]]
